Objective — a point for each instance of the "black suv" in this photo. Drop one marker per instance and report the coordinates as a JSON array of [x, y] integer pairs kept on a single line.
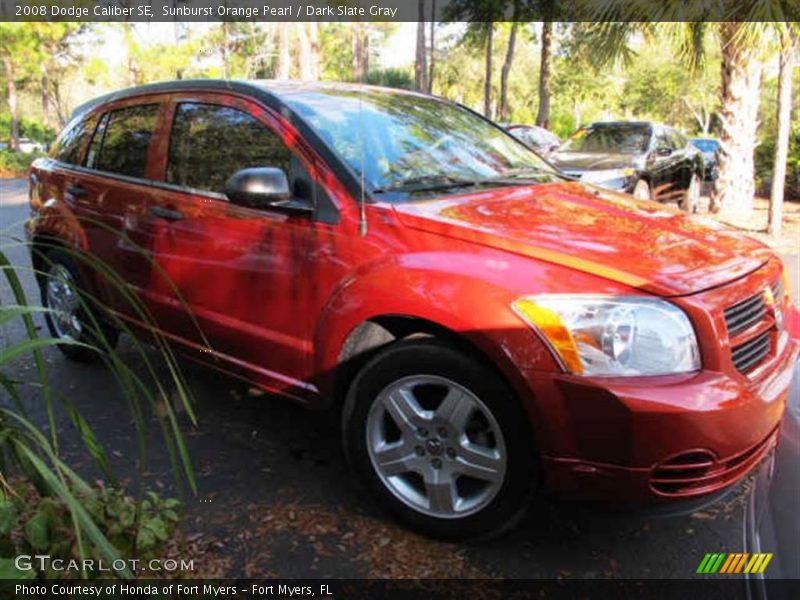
[[648, 160]]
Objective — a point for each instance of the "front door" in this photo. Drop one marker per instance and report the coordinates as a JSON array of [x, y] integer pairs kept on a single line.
[[244, 273]]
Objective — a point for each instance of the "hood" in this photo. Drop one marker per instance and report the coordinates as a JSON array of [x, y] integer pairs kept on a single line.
[[643, 244], [588, 161]]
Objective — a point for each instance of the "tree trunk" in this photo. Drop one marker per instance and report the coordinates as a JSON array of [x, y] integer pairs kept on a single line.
[[283, 68], [576, 113], [487, 78], [543, 116], [225, 49], [738, 114], [432, 47], [420, 64], [45, 89], [11, 99], [784, 129], [315, 69], [360, 49], [309, 51], [505, 109]]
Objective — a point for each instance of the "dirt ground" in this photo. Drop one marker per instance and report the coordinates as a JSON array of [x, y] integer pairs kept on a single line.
[[756, 225]]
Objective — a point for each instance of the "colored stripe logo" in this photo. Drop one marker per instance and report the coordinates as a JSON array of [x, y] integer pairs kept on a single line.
[[734, 563]]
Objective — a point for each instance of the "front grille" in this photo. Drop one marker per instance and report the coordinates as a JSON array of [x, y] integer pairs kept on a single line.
[[745, 314], [748, 355]]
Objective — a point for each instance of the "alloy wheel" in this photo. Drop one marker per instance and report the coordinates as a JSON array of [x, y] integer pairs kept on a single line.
[[62, 299], [436, 446]]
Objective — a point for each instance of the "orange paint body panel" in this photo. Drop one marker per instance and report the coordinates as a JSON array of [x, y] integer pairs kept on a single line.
[[272, 299]]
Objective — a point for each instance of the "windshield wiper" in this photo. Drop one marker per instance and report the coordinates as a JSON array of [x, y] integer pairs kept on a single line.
[[521, 173], [425, 183]]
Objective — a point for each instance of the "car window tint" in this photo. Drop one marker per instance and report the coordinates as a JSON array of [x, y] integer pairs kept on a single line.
[[126, 139], [678, 141], [209, 143], [663, 142], [620, 138], [97, 139], [67, 148]]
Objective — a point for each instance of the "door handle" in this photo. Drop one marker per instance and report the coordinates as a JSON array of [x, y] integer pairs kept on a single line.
[[166, 213], [76, 191]]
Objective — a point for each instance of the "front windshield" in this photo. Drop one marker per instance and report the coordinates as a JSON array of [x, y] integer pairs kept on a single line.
[[609, 139], [707, 146], [398, 140]]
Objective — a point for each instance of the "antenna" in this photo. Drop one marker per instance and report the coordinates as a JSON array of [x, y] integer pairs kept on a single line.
[[362, 214]]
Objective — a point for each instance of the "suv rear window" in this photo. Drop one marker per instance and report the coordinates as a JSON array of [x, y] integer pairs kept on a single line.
[[209, 143], [125, 140], [68, 146]]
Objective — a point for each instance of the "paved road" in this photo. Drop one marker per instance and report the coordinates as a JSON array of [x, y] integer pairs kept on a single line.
[[275, 498]]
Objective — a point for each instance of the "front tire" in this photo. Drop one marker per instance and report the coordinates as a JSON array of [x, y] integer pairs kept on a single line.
[[642, 190], [67, 317], [440, 440], [691, 198]]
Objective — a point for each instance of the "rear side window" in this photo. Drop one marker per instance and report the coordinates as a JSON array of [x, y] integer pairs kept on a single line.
[[67, 148], [125, 140], [209, 143]]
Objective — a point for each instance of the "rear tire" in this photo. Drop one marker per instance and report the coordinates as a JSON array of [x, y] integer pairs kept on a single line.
[[67, 318], [440, 440]]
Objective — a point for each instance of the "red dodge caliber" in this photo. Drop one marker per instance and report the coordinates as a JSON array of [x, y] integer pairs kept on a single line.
[[489, 327]]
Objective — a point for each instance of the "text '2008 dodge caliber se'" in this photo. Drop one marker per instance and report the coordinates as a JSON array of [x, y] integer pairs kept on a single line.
[[490, 328]]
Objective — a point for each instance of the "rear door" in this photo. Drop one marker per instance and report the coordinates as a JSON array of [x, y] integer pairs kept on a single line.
[[116, 191]]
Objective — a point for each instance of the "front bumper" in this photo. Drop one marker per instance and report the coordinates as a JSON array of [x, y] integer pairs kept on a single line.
[[649, 441]]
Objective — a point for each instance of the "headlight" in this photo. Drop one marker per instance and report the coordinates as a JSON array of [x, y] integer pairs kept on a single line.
[[606, 175], [614, 335]]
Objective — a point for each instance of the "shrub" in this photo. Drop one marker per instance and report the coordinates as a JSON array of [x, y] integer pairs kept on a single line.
[[15, 164], [35, 524], [393, 78]]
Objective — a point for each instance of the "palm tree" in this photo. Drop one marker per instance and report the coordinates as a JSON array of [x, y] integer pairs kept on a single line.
[[543, 115], [420, 66], [788, 46], [505, 109], [432, 48], [742, 44], [482, 16]]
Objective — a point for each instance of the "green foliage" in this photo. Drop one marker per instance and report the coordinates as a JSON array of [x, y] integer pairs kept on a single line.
[[100, 521], [15, 164], [36, 524], [394, 78], [28, 128]]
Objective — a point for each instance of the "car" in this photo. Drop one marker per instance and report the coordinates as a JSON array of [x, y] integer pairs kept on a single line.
[[648, 160], [771, 517], [29, 146], [709, 147], [488, 328], [538, 138]]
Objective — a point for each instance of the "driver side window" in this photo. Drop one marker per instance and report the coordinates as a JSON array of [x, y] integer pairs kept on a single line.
[[209, 143]]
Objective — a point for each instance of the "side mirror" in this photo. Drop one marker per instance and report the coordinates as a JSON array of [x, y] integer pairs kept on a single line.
[[258, 187]]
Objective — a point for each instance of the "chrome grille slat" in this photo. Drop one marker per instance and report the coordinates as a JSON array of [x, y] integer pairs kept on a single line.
[[777, 289], [750, 353], [745, 314]]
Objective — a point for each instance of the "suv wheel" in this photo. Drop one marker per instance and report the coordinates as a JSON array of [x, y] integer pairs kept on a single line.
[[440, 440], [66, 318], [691, 198], [641, 190]]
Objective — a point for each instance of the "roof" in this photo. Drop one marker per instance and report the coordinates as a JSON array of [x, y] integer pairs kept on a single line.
[[271, 91]]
